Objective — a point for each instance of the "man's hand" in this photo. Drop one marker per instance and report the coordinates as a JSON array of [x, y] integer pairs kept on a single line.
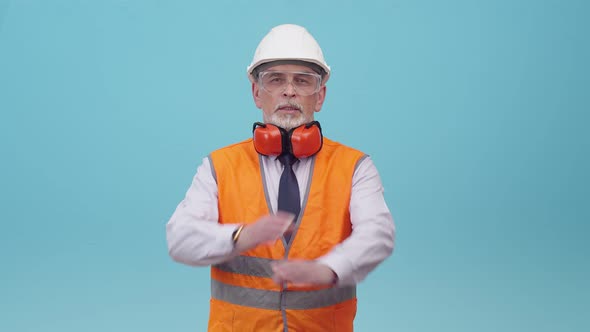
[[265, 230], [302, 273]]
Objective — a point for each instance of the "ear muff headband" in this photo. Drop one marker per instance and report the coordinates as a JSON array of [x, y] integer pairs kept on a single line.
[[303, 141]]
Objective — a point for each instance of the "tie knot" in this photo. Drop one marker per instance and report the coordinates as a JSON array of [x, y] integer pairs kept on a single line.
[[287, 159]]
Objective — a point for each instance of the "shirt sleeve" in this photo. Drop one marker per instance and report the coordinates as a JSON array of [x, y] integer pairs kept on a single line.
[[373, 229], [193, 233]]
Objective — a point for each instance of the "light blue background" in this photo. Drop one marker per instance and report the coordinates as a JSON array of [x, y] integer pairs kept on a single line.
[[475, 113]]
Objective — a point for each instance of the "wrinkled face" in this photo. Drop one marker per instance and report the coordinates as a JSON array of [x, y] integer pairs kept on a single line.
[[289, 107]]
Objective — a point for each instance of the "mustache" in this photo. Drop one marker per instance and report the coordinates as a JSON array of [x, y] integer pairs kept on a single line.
[[289, 104]]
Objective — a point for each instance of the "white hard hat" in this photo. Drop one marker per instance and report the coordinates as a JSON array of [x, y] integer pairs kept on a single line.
[[289, 42]]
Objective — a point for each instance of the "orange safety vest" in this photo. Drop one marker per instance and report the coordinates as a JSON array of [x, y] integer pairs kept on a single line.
[[243, 296]]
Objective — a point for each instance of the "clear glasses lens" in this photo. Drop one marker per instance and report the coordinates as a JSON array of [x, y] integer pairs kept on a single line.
[[304, 84]]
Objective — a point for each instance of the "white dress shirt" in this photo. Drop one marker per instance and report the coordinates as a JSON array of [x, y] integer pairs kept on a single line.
[[196, 238]]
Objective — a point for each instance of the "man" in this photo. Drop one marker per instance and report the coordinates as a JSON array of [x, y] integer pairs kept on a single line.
[[289, 221]]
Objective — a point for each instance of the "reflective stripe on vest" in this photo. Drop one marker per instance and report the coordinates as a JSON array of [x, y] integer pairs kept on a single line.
[[264, 299]]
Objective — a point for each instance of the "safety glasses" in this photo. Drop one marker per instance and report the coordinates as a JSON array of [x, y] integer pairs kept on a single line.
[[304, 84]]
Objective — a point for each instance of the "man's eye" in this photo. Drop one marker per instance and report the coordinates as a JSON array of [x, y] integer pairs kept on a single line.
[[276, 80], [302, 81]]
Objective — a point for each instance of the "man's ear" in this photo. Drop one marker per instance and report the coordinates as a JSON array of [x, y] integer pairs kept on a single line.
[[321, 98], [256, 95]]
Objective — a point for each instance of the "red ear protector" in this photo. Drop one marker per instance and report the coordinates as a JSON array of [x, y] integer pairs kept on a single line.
[[303, 141]]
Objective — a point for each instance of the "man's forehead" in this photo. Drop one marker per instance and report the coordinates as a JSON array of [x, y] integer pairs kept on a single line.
[[290, 68]]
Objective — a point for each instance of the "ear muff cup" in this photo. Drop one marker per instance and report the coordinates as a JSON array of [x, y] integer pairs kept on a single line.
[[268, 139], [306, 140]]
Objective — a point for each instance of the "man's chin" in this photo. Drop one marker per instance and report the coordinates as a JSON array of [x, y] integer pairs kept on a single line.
[[287, 121]]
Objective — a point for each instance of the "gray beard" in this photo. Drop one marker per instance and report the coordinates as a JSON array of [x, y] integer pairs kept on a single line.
[[288, 122]]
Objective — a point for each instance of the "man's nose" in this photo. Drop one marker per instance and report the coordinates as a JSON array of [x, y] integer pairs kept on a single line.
[[289, 89]]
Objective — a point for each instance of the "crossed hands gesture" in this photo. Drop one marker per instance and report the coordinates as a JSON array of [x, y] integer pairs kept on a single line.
[[266, 231]]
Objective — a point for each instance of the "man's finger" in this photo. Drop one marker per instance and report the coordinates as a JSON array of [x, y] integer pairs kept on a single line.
[[285, 216]]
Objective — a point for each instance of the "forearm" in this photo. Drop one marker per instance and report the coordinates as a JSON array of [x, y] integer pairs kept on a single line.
[[369, 245], [199, 242]]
